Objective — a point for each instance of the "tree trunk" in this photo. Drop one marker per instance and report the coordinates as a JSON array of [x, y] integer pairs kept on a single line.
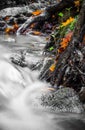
[[69, 68]]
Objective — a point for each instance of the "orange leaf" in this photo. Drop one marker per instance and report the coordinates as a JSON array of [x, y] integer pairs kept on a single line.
[[8, 30], [6, 18], [37, 12], [61, 49], [52, 68], [65, 42], [36, 33], [77, 3], [32, 25], [15, 26], [69, 35]]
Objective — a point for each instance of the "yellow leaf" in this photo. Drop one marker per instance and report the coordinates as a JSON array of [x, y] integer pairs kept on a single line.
[[68, 21], [77, 3]]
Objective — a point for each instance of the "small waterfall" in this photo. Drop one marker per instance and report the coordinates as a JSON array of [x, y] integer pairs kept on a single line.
[[18, 91], [19, 113], [21, 90]]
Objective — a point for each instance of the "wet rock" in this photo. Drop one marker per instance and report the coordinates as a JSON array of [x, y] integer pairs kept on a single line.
[[36, 66], [19, 59], [63, 100], [44, 74], [11, 21], [13, 11], [3, 25], [19, 20]]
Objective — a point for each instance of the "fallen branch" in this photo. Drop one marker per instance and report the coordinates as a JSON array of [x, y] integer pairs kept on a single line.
[[46, 14]]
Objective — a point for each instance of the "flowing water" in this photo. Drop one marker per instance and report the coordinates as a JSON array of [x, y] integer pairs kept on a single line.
[[20, 87]]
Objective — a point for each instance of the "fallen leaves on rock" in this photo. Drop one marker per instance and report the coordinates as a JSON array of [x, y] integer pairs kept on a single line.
[[68, 21], [36, 32], [65, 42], [37, 12]]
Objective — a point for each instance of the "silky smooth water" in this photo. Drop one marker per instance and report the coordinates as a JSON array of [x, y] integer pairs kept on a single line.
[[20, 90]]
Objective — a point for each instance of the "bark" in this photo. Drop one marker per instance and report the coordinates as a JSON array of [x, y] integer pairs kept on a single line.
[[81, 21], [68, 57], [60, 6]]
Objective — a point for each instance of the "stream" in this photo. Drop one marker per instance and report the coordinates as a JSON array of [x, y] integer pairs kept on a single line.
[[19, 88]]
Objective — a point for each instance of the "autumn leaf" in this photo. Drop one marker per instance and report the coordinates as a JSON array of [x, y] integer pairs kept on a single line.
[[52, 67], [65, 42], [36, 32], [61, 49], [77, 3], [69, 35], [68, 21], [15, 26], [6, 18], [32, 25], [7, 30], [37, 12], [12, 29]]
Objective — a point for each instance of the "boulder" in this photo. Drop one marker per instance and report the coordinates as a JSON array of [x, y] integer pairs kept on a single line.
[[62, 100]]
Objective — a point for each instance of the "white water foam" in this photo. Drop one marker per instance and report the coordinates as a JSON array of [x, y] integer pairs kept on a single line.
[[16, 110]]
